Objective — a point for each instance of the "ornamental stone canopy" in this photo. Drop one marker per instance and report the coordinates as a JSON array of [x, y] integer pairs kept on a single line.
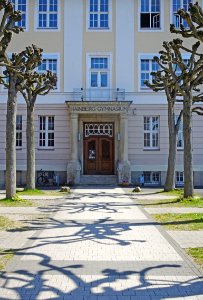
[[99, 107]]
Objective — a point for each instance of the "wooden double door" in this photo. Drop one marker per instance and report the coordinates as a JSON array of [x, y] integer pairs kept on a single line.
[[99, 155]]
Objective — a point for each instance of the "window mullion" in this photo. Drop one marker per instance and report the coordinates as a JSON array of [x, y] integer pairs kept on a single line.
[[151, 133], [46, 131]]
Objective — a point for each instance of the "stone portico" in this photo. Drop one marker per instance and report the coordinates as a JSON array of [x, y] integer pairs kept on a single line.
[[100, 112]]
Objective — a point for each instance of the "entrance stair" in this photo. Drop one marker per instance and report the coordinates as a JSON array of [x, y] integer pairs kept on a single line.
[[98, 180]]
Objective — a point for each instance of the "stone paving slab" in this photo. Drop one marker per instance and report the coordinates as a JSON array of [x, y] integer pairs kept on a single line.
[[100, 210], [100, 287], [102, 240], [187, 239], [173, 210], [114, 268], [19, 210], [13, 240]]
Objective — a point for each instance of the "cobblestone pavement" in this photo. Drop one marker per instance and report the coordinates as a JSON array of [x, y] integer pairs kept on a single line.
[[97, 244]]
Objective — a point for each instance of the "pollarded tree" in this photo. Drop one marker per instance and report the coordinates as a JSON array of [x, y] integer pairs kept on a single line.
[[7, 29], [34, 84], [187, 80], [194, 20], [162, 81]]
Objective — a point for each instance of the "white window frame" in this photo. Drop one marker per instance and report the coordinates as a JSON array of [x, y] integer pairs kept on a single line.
[[89, 70], [179, 175], [100, 29], [55, 56], [151, 132], [19, 131], [146, 56], [36, 22], [26, 28], [46, 131], [172, 13], [152, 173], [161, 29], [180, 135]]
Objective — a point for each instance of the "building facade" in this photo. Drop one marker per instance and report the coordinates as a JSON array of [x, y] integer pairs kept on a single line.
[[101, 119]]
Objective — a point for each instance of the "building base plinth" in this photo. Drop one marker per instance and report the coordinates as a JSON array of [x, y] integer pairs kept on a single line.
[[124, 173], [73, 172]]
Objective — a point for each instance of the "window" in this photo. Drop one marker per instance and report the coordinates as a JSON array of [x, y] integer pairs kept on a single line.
[[47, 14], [20, 5], [150, 14], [99, 14], [46, 131], [180, 143], [151, 132], [179, 178], [49, 64], [147, 66], [99, 72], [152, 178], [19, 129], [176, 5]]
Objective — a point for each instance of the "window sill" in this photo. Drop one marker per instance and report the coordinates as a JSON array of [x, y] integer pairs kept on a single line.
[[46, 148], [19, 148], [99, 29], [150, 30], [151, 183], [180, 149], [151, 149], [47, 29]]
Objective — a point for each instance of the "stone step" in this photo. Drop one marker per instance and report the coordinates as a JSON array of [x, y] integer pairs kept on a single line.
[[98, 179]]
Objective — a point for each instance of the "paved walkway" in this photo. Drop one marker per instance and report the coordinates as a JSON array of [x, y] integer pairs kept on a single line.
[[187, 239], [98, 245]]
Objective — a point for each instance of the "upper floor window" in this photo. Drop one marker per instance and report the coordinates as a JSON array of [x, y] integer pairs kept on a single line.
[[99, 72], [99, 14], [47, 14], [19, 129], [151, 132], [176, 5], [150, 12], [147, 66], [50, 63], [46, 131], [22, 6]]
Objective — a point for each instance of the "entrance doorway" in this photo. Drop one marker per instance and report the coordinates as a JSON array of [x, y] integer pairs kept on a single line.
[[98, 149]]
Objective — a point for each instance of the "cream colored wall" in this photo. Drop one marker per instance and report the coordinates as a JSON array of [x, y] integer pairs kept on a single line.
[[55, 159], [151, 41], [156, 160], [49, 41], [97, 41]]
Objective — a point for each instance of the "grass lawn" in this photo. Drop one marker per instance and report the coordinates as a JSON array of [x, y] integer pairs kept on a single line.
[[37, 192], [25, 192], [6, 224], [176, 202], [16, 201], [180, 221], [197, 255], [175, 192], [5, 256]]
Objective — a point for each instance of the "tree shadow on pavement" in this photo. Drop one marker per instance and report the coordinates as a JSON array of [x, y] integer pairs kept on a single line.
[[53, 282]]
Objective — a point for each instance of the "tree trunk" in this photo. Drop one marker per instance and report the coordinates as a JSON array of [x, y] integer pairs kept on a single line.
[[187, 134], [30, 148], [11, 139], [170, 177]]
